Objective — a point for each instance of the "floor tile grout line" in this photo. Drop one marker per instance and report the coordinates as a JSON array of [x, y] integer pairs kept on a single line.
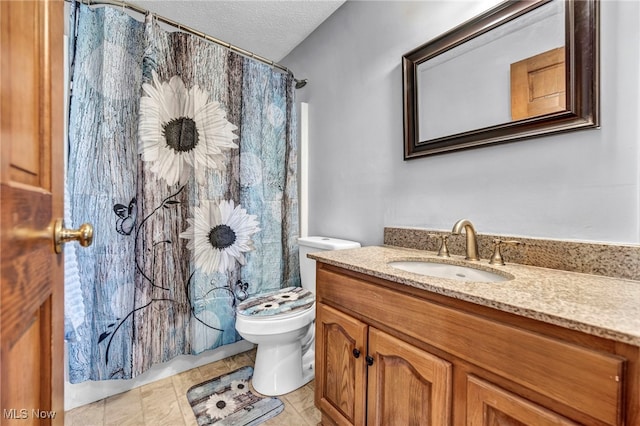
[[103, 402], [144, 421], [300, 413], [177, 398]]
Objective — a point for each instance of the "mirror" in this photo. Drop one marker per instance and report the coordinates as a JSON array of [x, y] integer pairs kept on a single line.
[[520, 70]]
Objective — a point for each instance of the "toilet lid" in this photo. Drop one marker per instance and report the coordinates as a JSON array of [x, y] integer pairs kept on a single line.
[[284, 301]]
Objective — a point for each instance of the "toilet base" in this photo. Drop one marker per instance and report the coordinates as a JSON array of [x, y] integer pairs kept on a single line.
[[282, 368]]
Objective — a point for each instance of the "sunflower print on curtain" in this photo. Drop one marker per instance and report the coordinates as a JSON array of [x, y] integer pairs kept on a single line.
[[183, 155]]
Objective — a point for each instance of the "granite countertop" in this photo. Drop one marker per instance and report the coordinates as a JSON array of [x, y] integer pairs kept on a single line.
[[601, 306]]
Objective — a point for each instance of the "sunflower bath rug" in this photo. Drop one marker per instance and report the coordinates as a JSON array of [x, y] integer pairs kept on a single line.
[[228, 400]]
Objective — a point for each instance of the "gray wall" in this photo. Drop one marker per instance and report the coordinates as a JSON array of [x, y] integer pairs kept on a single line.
[[582, 185]]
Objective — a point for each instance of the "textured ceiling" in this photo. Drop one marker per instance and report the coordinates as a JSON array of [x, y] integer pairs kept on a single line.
[[269, 28]]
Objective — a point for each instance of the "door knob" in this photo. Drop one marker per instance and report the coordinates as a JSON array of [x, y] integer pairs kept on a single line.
[[58, 234], [61, 235]]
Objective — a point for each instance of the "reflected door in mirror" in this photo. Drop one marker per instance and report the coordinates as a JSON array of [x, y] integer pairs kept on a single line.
[[538, 85]]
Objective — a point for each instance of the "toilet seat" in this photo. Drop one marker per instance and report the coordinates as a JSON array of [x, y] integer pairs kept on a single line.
[[296, 312], [277, 305]]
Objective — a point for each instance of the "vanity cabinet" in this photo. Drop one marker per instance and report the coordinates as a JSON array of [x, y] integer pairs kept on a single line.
[[490, 405], [367, 376], [341, 383], [435, 360]]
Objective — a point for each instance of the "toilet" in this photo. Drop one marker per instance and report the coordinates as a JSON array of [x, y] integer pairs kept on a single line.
[[281, 324]]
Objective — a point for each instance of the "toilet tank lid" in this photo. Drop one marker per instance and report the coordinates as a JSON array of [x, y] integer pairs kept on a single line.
[[327, 243]]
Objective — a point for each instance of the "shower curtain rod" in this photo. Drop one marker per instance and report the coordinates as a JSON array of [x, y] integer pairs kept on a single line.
[[187, 29]]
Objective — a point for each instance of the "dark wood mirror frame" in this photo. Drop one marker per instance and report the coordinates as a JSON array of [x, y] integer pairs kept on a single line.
[[582, 79]]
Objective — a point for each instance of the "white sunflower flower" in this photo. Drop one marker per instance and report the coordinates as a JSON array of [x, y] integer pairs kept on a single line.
[[267, 306], [289, 295], [219, 234], [220, 406], [181, 132], [239, 387]]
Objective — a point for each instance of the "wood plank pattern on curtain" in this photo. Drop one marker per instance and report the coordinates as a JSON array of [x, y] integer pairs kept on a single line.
[[184, 157]]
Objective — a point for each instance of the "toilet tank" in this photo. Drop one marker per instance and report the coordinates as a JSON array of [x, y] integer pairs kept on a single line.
[[313, 244]]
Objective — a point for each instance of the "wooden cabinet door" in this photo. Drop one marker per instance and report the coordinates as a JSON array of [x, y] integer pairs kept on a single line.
[[489, 405], [407, 386], [31, 179], [341, 347]]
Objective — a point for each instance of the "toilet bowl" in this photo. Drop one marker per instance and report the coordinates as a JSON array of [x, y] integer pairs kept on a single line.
[[281, 323]]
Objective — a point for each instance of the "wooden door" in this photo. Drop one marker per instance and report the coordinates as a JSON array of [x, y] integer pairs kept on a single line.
[[489, 405], [407, 386], [341, 347], [538, 85], [31, 179]]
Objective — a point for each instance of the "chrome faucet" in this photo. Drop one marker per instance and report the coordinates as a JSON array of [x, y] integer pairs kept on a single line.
[[472, 242]]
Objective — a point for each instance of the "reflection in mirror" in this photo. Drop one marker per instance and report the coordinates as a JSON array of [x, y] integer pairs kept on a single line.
[[468, 87], [525, 68]]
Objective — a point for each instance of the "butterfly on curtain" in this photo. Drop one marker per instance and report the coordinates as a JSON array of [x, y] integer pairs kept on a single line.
[[126, 217], [240, 290]]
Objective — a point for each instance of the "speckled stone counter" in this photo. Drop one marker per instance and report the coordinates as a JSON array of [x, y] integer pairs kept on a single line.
[[602, 306], [611, 260]]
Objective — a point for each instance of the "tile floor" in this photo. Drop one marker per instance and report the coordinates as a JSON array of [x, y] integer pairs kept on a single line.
[[165, 402]]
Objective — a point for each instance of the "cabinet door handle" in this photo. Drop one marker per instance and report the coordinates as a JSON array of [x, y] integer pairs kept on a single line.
[[356, 353], [369, 360]]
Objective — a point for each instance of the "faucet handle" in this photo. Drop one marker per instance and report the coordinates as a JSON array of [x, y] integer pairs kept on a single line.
[[496, 257], [443, 251]]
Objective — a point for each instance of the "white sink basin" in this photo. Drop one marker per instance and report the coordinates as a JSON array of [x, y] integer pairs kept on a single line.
[[449, 271]]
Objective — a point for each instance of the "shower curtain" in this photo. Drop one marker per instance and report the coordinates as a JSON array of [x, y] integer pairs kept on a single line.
[[183, 156]]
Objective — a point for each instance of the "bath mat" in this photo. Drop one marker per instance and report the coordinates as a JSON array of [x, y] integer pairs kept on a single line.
[[228, 400]]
